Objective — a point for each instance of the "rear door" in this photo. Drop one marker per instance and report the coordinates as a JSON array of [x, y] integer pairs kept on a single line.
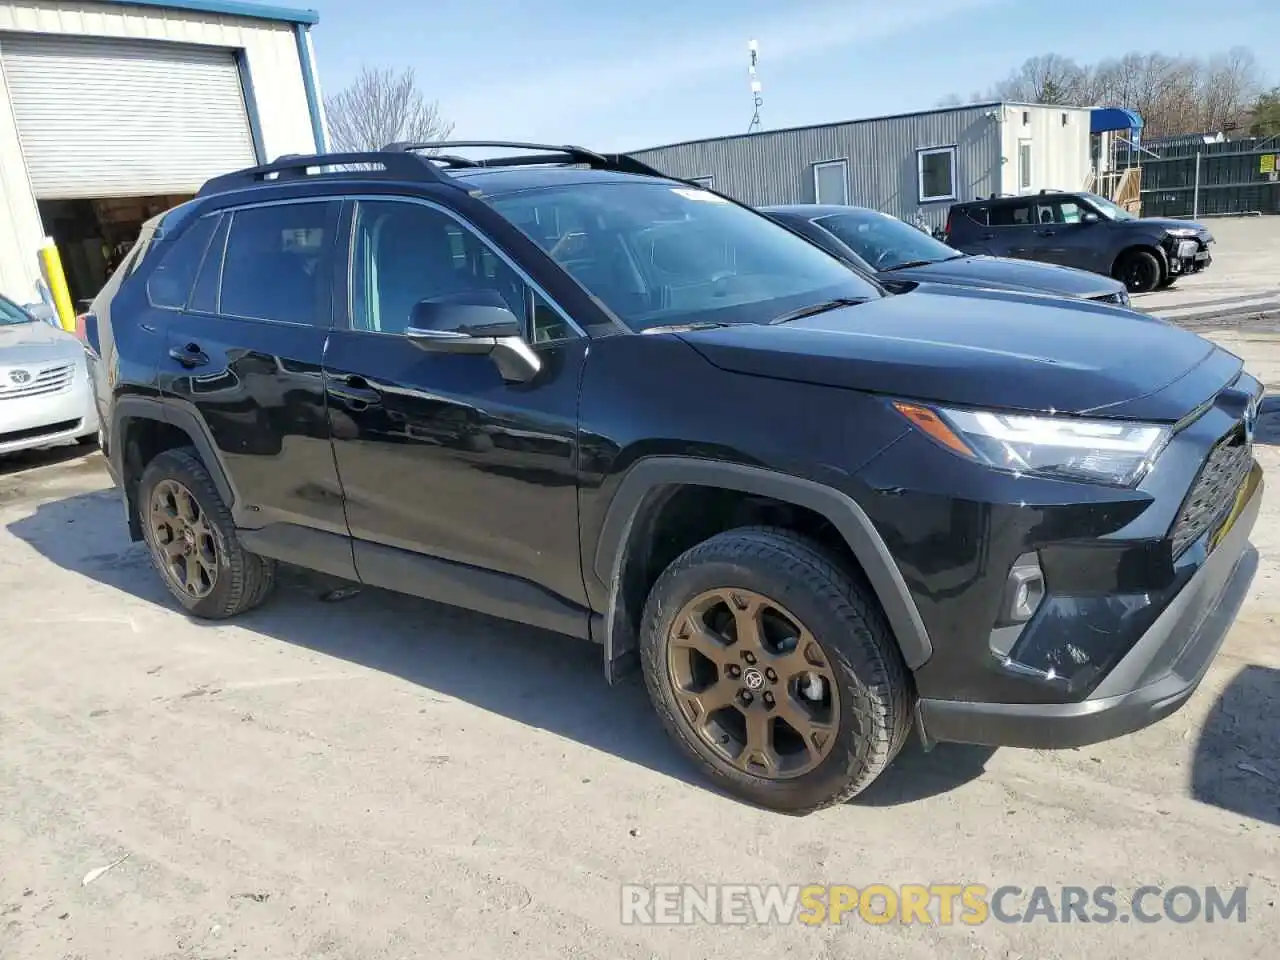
[[244, 362], [1011, 230]]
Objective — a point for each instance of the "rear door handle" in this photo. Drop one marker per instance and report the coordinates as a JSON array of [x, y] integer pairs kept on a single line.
[[354, 389], [1046, 233], [189, 356]]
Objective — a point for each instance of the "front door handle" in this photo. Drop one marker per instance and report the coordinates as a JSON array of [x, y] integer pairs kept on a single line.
[[1046, 233], [189, 356], [354, 390]]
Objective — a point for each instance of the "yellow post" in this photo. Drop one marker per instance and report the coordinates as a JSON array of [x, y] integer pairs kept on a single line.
[[51, 267]]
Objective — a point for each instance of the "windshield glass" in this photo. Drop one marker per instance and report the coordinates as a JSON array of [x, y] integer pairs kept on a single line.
[[10, 313], [883, 241], [1108, 209], [658, 254]]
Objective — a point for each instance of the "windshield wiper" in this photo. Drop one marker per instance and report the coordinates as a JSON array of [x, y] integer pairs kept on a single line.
[[816, 308], [686, 327], [913, 263]]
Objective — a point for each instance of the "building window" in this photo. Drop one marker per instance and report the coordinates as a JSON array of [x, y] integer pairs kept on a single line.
[[831, 182], [705, 182], [937, 174], [1024, 164]]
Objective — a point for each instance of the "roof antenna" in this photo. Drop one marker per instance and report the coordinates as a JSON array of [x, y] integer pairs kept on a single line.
[[755, 126]]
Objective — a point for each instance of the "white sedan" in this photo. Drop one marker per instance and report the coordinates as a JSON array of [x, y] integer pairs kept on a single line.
[[44, 384]]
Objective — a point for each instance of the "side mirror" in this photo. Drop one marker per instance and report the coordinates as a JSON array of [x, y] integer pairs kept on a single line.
[[1089, 218], [475, 322]]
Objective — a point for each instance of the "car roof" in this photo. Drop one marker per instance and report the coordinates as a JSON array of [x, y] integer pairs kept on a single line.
[[494, 181], [813, 210], [1021, 197]]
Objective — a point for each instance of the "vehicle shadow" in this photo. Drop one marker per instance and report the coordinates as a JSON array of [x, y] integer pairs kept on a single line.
[[1236, 765], [12, 463], [531, 676]]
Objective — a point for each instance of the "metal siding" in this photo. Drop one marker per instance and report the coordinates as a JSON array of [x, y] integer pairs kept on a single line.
[[271, 53], [114, 118], [777, 167]]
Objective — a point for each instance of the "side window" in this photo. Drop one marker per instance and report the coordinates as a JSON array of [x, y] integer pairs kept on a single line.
[[170, 282], [404, 253], [1068, 212], [204, 295], [1012, 215], [978, 215], [275, 263]]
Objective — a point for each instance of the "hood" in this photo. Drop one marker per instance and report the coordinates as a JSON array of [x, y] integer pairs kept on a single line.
[[1000, 273], [985, 348], [1165, 223], [34, 343]]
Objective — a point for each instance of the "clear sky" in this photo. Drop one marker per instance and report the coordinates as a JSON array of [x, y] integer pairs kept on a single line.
[[622, 75]]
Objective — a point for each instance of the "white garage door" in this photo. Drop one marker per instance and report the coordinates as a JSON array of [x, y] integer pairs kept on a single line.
[[113, 118]]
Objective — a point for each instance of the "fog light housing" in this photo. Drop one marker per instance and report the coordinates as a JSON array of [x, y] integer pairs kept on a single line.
[[1023, 592]]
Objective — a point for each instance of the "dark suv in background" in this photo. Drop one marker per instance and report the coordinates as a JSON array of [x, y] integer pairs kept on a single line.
[[560, 388], [1082, 230], [893, 252]]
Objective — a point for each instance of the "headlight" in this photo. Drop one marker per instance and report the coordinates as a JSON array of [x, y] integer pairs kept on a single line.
[[1122, 298], [1183, 232], [1104, 451]]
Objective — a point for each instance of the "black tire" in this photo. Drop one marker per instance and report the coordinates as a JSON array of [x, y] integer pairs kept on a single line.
[[1166, 283], [843, 617], [244, 580], [1139, 271]]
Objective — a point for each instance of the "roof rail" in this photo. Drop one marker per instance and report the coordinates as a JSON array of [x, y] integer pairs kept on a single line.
[[1044, 190], [545, 153], [297, 166]]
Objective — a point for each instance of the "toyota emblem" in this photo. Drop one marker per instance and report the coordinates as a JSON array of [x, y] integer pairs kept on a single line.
[[19, 376]]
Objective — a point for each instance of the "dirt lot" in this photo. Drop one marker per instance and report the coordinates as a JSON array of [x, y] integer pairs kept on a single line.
[[379, 777], [1241, 288]]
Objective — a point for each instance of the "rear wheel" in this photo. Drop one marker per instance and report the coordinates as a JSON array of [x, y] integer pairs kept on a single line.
[[1139, 271], [1166, 283], [775, 670], [193, 543]]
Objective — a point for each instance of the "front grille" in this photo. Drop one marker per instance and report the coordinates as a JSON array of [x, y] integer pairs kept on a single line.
[[48, 430], [1214, 491], [40, 381]]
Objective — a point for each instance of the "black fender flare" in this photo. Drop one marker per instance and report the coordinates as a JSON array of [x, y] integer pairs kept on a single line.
[[151, 408], [651, 474]]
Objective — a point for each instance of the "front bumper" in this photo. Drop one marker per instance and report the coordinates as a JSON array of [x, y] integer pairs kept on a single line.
[[1155, 678], [1189, 255], [27, 422]]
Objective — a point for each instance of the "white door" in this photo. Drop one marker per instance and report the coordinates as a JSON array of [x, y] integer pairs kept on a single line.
[[119, 118]]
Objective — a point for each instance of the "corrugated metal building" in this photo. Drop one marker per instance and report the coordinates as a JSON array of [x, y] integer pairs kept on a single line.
[[912, 166], [112, 110]]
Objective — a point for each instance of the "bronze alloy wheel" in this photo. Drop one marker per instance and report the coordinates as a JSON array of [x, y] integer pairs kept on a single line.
[[753, 683], [182, 540]]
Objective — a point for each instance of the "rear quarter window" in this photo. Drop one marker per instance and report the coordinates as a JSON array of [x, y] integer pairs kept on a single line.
[[169, 284]]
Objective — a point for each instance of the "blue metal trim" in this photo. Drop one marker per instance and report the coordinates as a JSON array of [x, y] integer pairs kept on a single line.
[[251, 105], [228, 8], [309, 84]]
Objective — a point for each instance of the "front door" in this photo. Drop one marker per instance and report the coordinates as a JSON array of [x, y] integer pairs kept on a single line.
[[459, 485], [1063, 238], [244, 356]]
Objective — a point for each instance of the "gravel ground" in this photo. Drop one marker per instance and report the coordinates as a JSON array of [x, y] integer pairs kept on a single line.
[[384, 778]]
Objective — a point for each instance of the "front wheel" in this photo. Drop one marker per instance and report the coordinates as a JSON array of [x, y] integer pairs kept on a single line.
[[775, 670], [193, 542], [1139, 271]]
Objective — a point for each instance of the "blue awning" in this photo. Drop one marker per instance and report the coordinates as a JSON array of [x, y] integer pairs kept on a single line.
[[1104, 119]]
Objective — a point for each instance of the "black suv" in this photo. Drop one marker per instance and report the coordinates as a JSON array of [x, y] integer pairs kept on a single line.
[[561, 388], [1081, 230]]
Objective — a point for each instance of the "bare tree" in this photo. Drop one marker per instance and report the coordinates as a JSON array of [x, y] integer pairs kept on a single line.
[[382, 107], [1172, 94]]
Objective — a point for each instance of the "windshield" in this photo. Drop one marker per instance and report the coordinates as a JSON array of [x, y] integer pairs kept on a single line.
[[1108, 209], [883, 241], [11, 313], [658, 254]]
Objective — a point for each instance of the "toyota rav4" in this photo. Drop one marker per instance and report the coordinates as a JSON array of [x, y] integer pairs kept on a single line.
[[563, 389]]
